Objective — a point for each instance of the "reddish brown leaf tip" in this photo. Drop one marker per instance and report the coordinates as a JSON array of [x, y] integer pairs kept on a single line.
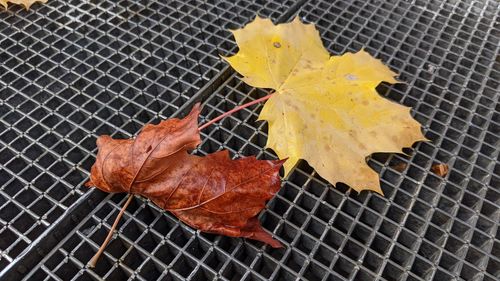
[[280, 162], [253, 230], [102, 140], [196, 109]]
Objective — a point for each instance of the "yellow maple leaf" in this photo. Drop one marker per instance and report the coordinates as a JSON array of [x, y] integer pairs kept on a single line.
[[325, 109], [26, 3]]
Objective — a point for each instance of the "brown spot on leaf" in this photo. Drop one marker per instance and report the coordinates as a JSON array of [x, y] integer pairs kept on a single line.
[[277, 44]]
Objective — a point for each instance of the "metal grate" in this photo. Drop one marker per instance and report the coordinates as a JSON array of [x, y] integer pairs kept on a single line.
[[73, 70], [426, 228]]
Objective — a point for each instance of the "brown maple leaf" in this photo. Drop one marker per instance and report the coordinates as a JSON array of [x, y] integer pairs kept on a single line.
[[213, 193]]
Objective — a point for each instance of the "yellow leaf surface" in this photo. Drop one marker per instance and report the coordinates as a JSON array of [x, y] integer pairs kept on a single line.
[[26, 3], [325, 109]]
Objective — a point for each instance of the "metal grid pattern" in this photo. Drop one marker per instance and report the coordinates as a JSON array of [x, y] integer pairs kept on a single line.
[[427, 227], [73, 70]]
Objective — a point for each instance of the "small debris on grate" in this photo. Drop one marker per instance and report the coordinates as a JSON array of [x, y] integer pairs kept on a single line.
[[440, 169], [400, 167], [431, 68]]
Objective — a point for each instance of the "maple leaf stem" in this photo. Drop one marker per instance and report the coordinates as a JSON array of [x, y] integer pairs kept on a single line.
[[94, 259], [238, 108]]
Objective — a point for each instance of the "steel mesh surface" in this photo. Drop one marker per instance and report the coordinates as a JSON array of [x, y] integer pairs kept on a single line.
[[426, 227], [73, 70]]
